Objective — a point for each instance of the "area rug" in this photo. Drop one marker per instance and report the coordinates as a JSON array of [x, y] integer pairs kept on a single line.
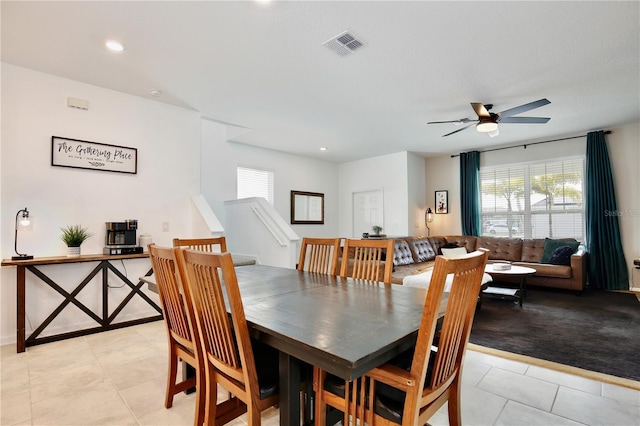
[[597, 330]]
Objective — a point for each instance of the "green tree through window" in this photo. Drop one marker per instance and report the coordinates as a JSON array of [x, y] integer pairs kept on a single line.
[[510, 189], [533, 200], [559, 189]]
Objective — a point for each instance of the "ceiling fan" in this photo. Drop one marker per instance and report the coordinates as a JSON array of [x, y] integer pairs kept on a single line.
[[487, 122]]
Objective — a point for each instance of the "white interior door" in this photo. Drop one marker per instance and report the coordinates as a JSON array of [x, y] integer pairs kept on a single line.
[[368, 208]]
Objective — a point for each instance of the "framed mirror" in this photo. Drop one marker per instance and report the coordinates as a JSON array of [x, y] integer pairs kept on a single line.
[[307, 208]]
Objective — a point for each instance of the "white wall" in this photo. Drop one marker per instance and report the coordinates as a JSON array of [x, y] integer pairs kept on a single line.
[[179, 155], [444, 173], [417, 193], [624, 154], [388, 173], [254, 228], [220, 159], [168, 142]]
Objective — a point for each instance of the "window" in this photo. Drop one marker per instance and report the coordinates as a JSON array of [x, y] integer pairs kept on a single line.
[[534, 200], [255, 183]]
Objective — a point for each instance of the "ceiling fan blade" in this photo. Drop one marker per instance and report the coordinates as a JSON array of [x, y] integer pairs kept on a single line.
[[524, 120], [444, 122], [480, 109], [459, 130], [524, 108], [456, 122]]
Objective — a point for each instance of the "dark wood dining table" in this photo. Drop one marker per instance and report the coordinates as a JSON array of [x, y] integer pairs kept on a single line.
[[345, 326]]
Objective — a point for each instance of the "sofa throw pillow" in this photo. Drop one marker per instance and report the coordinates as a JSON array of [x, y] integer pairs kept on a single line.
[[452, 253], [402, 254], [447, 246], [562, 256], [550, 245], [423, 250]]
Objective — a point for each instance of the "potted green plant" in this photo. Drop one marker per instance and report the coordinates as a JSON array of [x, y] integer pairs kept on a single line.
[[376, 229], [73, 236]]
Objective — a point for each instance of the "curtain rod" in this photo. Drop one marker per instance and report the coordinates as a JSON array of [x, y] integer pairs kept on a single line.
[[525, 145]]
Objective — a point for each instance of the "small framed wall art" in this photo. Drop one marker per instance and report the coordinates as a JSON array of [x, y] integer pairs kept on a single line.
[[442, 201], [80, 154]]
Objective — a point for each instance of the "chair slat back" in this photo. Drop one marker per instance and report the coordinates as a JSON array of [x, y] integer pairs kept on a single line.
[[203, 244], [225, 340], [170, 292], [456, 327], [368, 259], [319, 255]]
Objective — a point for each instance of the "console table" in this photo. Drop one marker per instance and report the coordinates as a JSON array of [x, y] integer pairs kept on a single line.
[[105, 321]]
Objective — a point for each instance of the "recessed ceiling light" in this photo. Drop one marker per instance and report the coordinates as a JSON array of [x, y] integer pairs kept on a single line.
[[155, 93], [115, 46], [324, 148]]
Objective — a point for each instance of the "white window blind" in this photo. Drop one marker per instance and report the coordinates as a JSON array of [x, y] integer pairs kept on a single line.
[[534, 200], [255, 183]]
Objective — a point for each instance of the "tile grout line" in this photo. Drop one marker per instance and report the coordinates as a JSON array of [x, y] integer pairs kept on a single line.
[[575, 371]]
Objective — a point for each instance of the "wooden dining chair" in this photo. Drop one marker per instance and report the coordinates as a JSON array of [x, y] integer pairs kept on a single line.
[[413, 386], [367, 259], [182, 345], [210, 245], [319, 255], [245, 367], [203, 244]]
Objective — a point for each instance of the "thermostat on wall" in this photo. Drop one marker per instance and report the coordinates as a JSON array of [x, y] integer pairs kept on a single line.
[[78, 103]]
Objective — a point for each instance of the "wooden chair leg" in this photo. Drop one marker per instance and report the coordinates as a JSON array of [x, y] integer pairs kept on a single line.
[[320, 410], [171, 376], [254, 416], [210, 397], [455, 416], [200, 399]]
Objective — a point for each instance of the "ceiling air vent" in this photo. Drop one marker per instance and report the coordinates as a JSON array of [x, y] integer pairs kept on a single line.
[[344, 44]]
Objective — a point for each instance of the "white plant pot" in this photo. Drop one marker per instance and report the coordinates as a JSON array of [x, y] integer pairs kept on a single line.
[[73, 251]]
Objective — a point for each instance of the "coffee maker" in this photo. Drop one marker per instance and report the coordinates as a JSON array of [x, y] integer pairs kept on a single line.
[[120, 237]]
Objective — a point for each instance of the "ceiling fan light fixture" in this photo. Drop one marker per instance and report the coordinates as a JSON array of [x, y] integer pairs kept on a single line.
[[114, 45], [486, 126], [487, 122]]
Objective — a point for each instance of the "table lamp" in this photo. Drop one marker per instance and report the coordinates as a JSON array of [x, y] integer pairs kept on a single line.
[[24, 223]]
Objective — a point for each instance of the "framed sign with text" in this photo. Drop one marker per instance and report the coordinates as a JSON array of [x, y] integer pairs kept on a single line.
[[80, 154]]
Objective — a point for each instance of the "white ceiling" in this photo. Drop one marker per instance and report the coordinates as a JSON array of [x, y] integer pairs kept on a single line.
[[263, 67]]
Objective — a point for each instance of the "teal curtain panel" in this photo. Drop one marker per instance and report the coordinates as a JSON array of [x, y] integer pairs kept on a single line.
[[607, 265], [470, 192]]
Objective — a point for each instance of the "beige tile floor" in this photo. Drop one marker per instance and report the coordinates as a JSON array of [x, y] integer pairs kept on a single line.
[[118, 378]]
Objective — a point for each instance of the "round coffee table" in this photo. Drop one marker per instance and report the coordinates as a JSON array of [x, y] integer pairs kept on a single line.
[[520, 271]]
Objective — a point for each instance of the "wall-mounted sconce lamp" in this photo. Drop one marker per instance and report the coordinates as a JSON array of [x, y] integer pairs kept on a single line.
[[23, 223], [428, 218]]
